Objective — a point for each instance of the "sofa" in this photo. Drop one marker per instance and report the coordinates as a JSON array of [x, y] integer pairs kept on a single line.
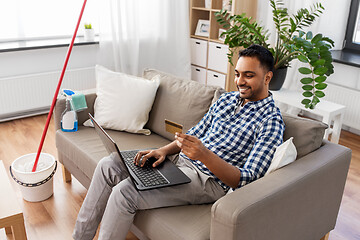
[[299, 201]]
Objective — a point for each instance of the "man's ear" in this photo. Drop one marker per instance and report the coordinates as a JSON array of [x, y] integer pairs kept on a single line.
[[268, 77]]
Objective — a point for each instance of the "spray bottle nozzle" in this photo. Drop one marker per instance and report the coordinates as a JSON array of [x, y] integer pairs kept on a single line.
[[68, 92]]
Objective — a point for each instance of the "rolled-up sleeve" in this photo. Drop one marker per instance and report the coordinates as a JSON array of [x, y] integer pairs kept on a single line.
[[270, 135]]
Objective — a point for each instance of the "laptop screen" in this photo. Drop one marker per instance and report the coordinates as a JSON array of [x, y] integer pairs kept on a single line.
[[109, 143]]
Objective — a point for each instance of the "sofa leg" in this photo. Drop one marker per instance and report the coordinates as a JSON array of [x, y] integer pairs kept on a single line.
[[326, 237], [66, 174]]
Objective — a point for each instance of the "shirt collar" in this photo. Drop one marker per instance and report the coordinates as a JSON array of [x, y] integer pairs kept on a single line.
[[257, 104]]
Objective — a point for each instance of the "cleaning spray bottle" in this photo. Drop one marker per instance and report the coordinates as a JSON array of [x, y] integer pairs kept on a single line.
[[69, 121]]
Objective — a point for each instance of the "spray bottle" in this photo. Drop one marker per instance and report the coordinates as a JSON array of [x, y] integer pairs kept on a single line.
[[69, 121]]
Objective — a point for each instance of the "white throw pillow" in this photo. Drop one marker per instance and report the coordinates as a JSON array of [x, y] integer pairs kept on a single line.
[[285, 153], [123, 102]]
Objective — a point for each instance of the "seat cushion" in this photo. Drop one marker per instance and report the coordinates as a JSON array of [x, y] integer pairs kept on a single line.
[[175, 222], [179, 100], [308, 134], [85, 148]]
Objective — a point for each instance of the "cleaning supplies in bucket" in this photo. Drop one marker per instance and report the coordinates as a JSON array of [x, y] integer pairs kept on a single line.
[[34, 186], [75, 102]]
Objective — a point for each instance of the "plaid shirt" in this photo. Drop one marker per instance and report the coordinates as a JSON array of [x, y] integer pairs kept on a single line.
[[246, 139]]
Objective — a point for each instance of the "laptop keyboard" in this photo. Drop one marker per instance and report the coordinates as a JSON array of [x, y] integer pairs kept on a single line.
[[147, 174]]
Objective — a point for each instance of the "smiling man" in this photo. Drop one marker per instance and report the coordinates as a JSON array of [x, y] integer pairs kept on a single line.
[[235, 141], [230, 147]]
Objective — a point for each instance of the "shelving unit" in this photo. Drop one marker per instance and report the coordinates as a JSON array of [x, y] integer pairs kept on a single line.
[[208, 53]]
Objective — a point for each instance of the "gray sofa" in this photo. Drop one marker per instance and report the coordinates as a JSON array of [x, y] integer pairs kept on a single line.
[[299, 201]]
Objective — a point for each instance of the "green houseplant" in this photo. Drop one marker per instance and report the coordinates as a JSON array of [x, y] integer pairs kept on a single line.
[[291, 43], [89, 33], [87, 26]]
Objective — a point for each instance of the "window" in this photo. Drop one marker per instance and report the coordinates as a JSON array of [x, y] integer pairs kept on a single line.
[[44, 19], [352, 37]]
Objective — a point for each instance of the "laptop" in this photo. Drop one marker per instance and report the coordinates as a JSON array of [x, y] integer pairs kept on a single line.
[[146, 177]]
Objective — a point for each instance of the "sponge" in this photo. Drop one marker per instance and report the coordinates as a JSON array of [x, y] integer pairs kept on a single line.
[[78, 102]]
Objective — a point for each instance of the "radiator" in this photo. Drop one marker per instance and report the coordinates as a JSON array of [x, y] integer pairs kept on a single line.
[[28, 95], [349, 98]]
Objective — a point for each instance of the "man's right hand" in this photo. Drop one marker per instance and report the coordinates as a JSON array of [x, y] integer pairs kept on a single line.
[[143, 156]]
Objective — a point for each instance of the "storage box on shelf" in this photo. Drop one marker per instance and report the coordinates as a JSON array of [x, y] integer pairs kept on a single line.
[[218, 57], [208, 53], [215, 79], [199, 50], [198, 74]]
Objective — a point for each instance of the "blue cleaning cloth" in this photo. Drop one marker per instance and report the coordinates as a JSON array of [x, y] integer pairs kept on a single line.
[[78, 102]]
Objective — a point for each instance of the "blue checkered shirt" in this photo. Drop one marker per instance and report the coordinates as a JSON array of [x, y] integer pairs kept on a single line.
[[246, 139]]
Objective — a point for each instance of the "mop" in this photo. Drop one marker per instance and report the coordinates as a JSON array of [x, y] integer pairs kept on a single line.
[[58, 89]]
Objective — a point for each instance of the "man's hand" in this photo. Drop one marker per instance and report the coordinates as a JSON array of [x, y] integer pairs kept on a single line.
[[143, 156], [194, 149], [191, 146], [159, 154]]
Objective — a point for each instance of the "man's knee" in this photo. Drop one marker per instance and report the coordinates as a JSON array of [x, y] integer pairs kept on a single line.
[[106, 162], [109, 170], [126, 195]]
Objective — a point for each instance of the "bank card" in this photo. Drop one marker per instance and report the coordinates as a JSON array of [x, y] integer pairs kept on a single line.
[[173, 127]]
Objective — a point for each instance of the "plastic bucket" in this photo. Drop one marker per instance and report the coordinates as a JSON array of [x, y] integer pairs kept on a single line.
[[35, 186]]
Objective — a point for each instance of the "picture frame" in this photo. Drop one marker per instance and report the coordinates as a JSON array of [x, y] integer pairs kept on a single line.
[[202, 28], [226, 4], [221, 38]]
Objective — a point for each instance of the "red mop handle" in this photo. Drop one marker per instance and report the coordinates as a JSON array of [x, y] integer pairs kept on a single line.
[[57, 89]]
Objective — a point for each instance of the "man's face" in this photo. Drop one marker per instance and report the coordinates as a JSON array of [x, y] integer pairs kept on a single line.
[[252, 79]]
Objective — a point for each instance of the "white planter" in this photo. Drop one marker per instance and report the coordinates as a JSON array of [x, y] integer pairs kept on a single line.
[[89, 35]]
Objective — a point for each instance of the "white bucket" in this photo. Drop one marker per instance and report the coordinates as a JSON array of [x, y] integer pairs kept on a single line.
[[35, 186]]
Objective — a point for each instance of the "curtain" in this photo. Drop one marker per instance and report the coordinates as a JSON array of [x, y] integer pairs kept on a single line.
[[138, 34], [332, 23]]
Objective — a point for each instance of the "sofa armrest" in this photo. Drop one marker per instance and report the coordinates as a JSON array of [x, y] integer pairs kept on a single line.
[[299, 201], [90, 97]]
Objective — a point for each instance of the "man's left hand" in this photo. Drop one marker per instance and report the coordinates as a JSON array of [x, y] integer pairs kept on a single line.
[[191, 146]]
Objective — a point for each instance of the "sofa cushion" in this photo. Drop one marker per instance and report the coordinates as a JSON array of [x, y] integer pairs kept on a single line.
[[159, 223], [179, 100], [284, 155], [123, 101], [308, 134]]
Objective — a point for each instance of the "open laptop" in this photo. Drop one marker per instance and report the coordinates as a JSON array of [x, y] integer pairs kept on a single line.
[[146, 177]]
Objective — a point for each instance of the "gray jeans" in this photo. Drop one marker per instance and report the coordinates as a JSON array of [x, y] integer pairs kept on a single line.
[[113, 199]]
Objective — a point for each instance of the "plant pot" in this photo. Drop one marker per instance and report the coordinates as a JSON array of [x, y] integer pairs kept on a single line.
[[89, 35], [278, 79]]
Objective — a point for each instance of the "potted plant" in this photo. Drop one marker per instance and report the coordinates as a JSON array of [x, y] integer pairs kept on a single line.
[[291, 43], [89, 34]]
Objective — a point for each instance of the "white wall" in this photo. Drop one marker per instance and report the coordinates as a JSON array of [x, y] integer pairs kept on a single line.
[[346, 75], [46, 60]]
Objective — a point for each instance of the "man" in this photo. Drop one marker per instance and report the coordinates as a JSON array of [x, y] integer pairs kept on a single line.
[[231, 146]]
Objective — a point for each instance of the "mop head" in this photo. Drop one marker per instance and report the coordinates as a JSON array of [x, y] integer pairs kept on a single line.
[[77, 102]]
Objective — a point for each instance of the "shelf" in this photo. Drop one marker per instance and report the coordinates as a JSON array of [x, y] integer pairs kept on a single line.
[[199, 37], [216, 41], [202, 9], [205, 10]]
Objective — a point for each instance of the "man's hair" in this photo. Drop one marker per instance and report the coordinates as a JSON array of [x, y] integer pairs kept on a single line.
[[264, 56]]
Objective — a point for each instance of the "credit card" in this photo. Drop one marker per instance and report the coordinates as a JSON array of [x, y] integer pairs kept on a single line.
[[173, 127]]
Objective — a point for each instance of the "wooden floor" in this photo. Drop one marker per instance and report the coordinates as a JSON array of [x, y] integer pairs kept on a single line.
[[54, 218]]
